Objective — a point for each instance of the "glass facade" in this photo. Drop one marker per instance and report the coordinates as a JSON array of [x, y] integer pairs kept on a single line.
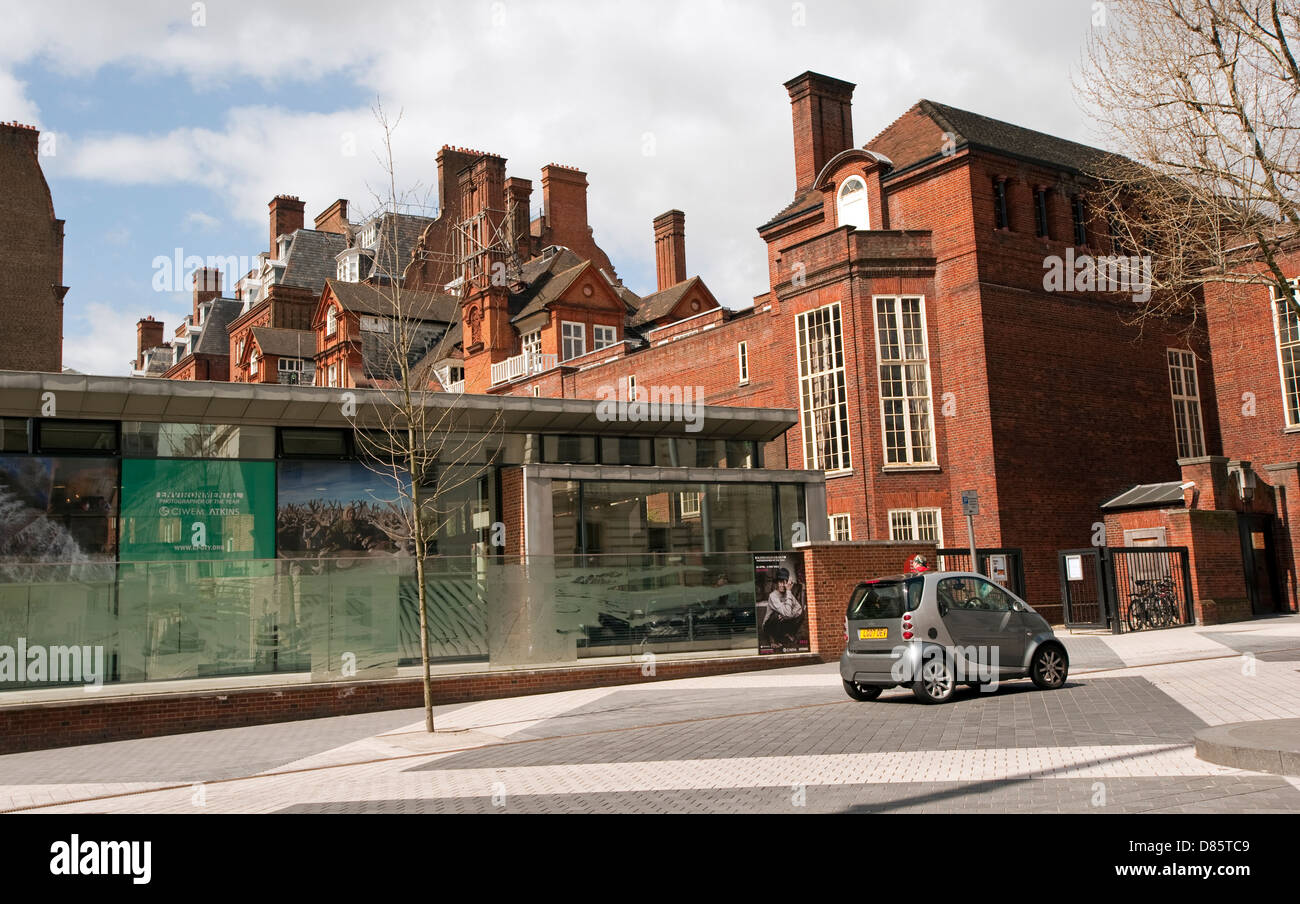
[[188, 551]]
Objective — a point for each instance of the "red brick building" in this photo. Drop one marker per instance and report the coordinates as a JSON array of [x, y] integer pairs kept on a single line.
[[907, 319], [31, 281], [1255, 344]]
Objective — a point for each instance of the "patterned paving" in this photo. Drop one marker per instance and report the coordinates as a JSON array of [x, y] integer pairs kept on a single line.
[[1117, 738]]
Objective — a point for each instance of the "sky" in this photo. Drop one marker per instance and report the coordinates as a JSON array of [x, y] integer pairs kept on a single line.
[[173, 122]]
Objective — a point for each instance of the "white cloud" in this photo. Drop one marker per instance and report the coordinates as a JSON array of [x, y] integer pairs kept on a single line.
[[14, 103], [200, 220]]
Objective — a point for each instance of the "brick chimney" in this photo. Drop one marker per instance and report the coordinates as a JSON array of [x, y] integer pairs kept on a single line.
[[564, 199], [148, 334], [519, 193], [287, 217], [29, 136], [823, 123], [670, 248], [451, 161], [207, 286], [333, 218]]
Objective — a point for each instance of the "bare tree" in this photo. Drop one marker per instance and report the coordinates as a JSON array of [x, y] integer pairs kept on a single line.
[[1203, 95], [423, 440]]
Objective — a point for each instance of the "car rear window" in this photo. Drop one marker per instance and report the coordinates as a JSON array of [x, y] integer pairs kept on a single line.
[[885, 599]]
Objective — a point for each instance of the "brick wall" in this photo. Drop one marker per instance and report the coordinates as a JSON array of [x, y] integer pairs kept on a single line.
[[31, 244], [832, 570]]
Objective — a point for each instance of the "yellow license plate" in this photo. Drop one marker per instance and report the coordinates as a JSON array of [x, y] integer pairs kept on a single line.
[[872, 633]]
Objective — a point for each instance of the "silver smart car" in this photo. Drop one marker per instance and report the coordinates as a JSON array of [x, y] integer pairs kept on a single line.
[[936, 630]]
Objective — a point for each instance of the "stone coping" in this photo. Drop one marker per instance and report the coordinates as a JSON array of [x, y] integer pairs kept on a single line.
[[1271, 745]]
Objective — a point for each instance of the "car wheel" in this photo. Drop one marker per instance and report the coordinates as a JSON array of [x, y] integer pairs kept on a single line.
[[1050, 667], [937, 683], [861, 693]]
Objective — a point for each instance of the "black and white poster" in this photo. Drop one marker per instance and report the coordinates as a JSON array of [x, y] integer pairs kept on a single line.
[[782, 610]]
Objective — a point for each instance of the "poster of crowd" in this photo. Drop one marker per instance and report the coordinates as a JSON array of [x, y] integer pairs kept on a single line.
[[336, 509], [780, 592]]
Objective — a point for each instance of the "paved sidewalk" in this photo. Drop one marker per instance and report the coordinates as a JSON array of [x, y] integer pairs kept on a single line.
[[1117, 738]]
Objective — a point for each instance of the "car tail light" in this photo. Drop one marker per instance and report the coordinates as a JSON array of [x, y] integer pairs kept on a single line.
[[907, 635], [846, 629]]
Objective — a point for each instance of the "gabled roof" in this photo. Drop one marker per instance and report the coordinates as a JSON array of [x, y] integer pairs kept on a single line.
[[311, 259], [363, 298], [1148, 495], [907, 147], [661, 304], [215, 338], [285, 343], [541, 279]]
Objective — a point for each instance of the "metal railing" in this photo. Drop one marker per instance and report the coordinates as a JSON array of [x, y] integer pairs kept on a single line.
[[522, 365]]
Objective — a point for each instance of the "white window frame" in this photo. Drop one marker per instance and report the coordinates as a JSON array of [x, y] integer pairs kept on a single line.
[[1181, 364], [331, 321], [1290, 417], [294, 364], [913, 519], [566, 339], [332, 378], [841, 518], [602, 330], [912, 459], [841, 456], [863, 221], [742, 361], [253, 361], [693, 509], [531, 345], [631, 388]]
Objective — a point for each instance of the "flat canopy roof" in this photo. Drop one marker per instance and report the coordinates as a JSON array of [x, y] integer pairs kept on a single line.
[[1148, 495], [24, 394]]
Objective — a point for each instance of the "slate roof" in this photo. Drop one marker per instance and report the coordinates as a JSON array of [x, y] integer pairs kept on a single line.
[[1148, 495], [161, 361], [660, 304], [363, 298], [285, 343], [994, 135], [543, 279], [215, 338], [311, 259], [398, 234]]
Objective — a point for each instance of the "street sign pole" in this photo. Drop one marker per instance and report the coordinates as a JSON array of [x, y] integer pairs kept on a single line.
[[970, 507], [970, 532]]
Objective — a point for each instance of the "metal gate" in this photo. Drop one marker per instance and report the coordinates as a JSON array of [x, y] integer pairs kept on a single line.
[[1006, 566], [1083, 588], [1129, 588]]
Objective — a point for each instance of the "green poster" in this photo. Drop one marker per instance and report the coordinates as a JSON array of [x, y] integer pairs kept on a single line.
[[177, 509]]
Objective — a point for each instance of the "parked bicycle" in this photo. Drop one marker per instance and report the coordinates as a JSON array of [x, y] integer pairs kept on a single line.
[[1153, 605]]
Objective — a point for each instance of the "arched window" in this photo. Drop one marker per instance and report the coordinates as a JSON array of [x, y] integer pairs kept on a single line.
[[331, 321], [851, 204]]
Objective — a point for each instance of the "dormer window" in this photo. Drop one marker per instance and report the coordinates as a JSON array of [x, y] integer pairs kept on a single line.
[[252, 363], [283, 246], [349, 265], [331, 321], [851, 204]]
